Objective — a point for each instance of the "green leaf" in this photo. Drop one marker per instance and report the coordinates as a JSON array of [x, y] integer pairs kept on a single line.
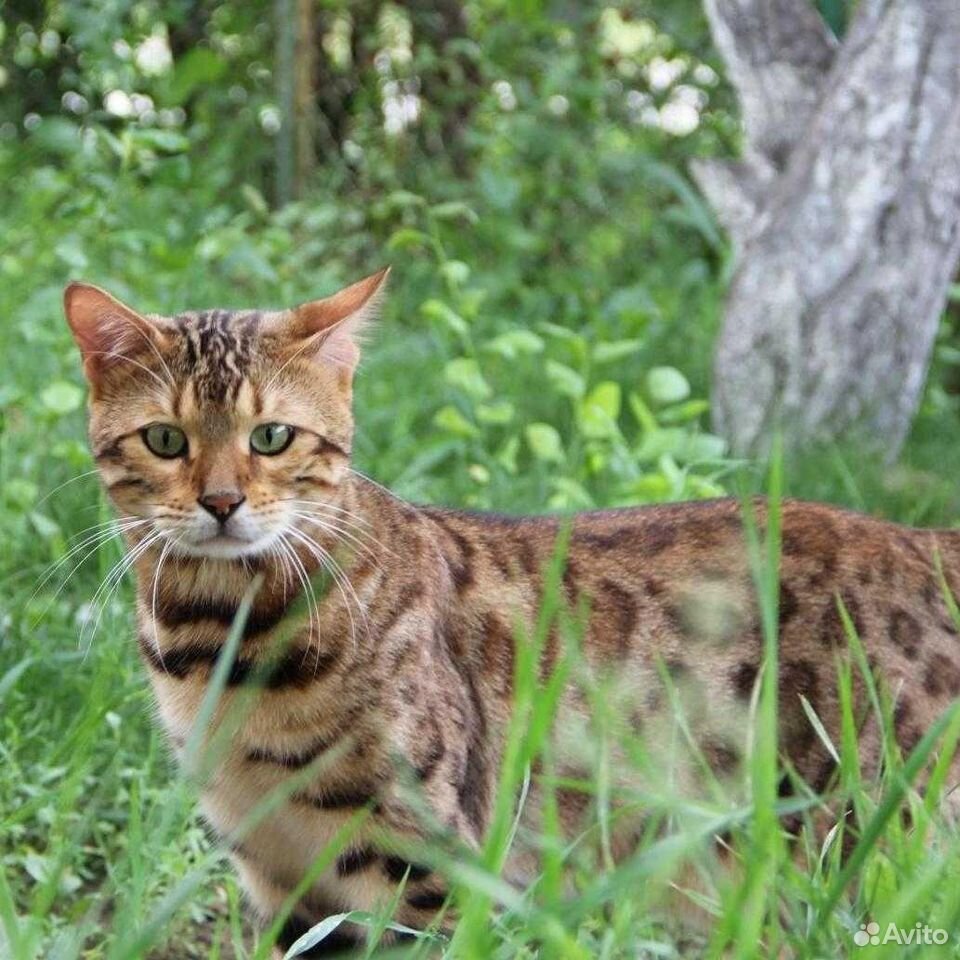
[[656, 443], [449, 418], [616, 350], [62, 397], [694, 209], [630, 305], [569, 495], [684, 412], [20, 494], [47, 528], [198, 67], [544, 442], [403, 200], [465, 373], [600, 409], [561, 333], [166, 141], [406, 238], [681, 445], [8, 680], [455, 271], [667, 385], [70, 251], [565, 379], [454, 210], [478, 473], [650, 488], [702, 446], [506, 456], [646, 419], [498, 413], [515, 342], [254, 200], [438, 311]]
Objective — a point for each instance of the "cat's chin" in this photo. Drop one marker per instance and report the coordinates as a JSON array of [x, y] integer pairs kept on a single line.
[[224, 547]]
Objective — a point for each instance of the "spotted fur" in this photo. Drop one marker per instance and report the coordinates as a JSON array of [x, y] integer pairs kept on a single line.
[[400, 675]]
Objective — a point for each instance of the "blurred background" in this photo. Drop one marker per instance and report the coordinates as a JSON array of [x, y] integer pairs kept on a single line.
[[549, 181]]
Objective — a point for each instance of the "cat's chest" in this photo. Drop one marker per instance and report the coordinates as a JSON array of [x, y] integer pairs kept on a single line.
[[271, 826]]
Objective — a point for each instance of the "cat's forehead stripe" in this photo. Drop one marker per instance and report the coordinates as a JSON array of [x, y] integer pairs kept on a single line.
[[217, 350]]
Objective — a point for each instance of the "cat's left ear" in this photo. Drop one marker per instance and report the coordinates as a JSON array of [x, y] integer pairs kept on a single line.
[[333, 327]]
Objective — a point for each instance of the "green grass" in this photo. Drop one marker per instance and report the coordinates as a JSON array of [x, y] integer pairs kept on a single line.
[[103, 855], [530, 358]]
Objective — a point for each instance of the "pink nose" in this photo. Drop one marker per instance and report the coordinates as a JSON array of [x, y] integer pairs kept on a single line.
[[222, 503]]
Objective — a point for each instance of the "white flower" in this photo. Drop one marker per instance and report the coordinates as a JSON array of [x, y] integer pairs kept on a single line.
[[74, 102], [685, 93], [270, 120], [141, 103], [153, 56], [662, 73], [505, 95], [679, 118], [705, 75], [118, 103]]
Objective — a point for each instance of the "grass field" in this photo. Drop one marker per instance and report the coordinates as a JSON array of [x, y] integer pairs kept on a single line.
[[103, 855], [545, 346]]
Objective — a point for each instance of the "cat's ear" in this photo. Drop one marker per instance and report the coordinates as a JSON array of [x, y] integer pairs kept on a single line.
[[332, 329], [106, 330]]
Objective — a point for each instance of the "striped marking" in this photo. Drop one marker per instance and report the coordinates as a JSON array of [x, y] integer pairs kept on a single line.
[[396, 869], [299, 668], [294, 759], [427, 900], [176, 613], [336, 799], [353, 861]]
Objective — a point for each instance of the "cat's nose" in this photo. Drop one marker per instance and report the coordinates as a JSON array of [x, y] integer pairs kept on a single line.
[[221, 504]]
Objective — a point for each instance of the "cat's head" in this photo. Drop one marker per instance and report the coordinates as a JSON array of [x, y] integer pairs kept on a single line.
[[220, 428]]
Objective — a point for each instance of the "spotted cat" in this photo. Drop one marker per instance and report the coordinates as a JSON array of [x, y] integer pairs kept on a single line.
[[224, 439]]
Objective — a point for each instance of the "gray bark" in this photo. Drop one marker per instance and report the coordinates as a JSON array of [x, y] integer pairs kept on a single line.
[[844, 214]]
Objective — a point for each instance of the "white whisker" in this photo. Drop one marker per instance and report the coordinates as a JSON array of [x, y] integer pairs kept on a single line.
[[336, 508], [310, 596], [379, 486], [113, 579], [153, 603], [332, 527], [340, 578], [66, 483], [94, 541]]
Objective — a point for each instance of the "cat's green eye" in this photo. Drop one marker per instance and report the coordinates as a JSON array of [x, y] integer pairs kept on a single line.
[[271, 438], [165, 440]]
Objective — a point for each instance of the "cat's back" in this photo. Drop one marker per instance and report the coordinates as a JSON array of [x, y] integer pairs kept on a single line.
[[674, 585], [821, 546]]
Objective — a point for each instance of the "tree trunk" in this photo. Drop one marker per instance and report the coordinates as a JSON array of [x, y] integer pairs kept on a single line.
[[305, 107], [285, 77], [294, 71], [844, 215]]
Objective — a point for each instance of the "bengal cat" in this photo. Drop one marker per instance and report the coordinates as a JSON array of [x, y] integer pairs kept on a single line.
[[225, 437]]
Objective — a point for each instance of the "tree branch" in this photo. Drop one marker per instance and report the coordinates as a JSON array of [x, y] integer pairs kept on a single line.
[[777, 53]]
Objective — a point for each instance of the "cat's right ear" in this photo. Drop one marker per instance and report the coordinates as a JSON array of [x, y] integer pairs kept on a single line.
[[106, 330]]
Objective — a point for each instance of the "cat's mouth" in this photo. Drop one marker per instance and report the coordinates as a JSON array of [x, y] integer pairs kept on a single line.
[[225, 546]]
